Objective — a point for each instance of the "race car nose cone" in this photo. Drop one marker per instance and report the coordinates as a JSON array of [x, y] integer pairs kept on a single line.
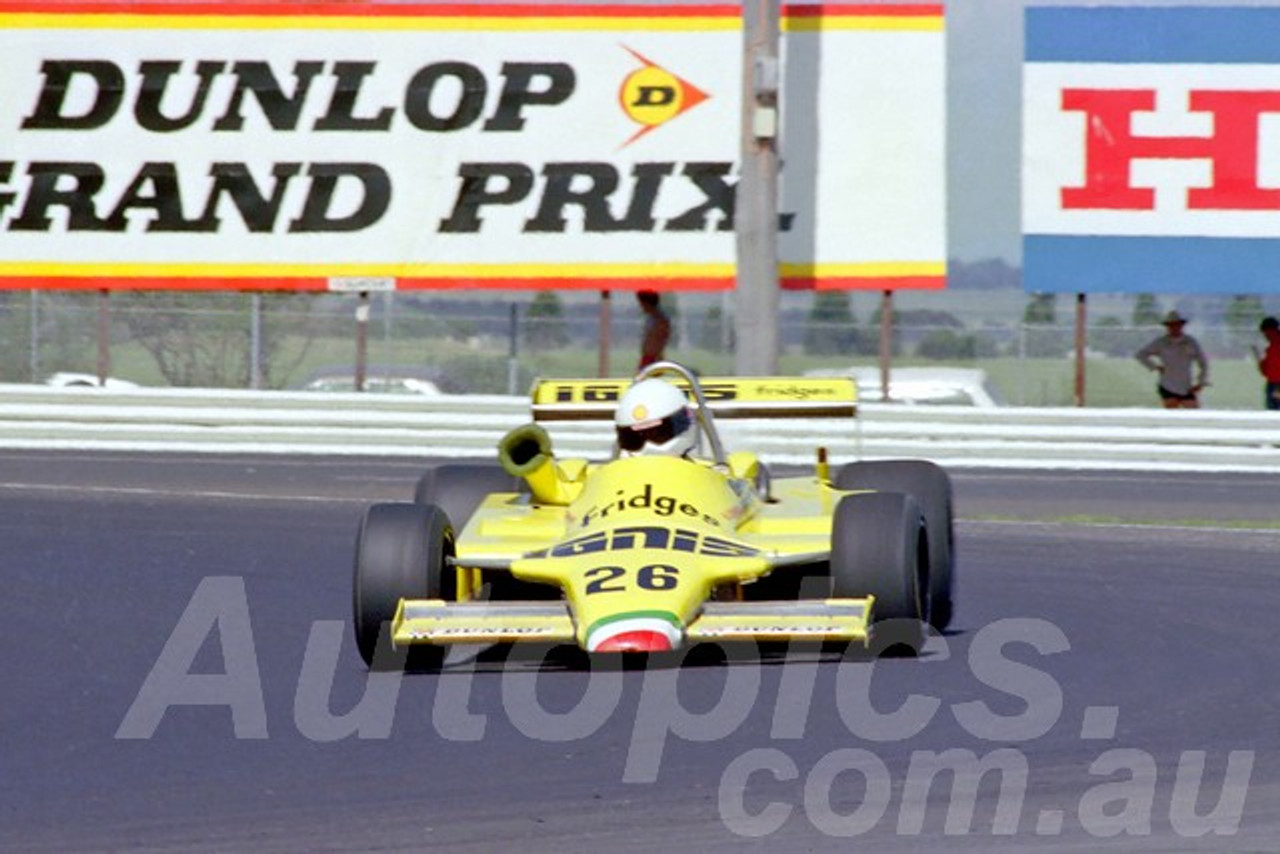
[[636, 641]]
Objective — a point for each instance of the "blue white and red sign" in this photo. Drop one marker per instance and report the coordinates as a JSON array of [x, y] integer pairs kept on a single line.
[[1151, 150]]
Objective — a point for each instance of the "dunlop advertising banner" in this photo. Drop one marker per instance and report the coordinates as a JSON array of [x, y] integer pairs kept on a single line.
[[1151, 150], [364, 147]]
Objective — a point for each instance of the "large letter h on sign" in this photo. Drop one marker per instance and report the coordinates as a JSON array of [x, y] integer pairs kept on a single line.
[[1111, 147]]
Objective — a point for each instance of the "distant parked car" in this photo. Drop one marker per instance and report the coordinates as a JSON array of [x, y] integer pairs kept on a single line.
[[378, 380], [375, 385], [935, 386], [74, 379]]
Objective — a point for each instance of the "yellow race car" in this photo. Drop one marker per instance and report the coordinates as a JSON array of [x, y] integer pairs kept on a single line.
[[648, 552]]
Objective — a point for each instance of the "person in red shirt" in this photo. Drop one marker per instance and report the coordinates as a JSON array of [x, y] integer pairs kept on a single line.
[[657, 329], [1269, 362]]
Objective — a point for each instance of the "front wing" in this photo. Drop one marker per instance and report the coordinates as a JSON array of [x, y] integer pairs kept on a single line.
[[435, 621]]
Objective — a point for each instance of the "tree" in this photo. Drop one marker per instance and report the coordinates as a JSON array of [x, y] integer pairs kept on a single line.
[[1040, 320], [948, 345], [671, 306], [15, 340], [545, 327], [830, 328], [1041, 310], [66, 332], [1242, 316], [203, 340], [711, 336], [196, 339], [1146, 311], [1109, 335]]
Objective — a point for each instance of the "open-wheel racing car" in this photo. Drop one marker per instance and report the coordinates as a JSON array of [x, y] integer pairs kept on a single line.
[[650, 552]]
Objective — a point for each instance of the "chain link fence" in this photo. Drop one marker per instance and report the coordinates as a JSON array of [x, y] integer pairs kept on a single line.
[[497, 342]]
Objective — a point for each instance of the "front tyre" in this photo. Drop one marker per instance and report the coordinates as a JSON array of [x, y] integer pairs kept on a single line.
[[878, 548], [402, 552]]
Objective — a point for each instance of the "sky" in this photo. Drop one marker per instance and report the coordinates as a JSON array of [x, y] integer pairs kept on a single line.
[[984, 63]]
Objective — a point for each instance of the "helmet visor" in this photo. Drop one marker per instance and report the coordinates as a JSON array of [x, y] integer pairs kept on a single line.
[[632, 439]]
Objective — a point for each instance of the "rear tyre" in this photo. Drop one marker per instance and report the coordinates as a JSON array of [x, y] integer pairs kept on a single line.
[[878, 544], [458, 488], [402, 552], [931, 487]]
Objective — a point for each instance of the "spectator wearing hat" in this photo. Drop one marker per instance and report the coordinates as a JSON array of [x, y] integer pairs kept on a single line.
[[1172, 356], [1269, 362]]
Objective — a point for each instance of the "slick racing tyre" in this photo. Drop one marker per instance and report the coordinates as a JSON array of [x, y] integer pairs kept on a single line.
[[458, 488], [931, 487], [402, 552], [878, 546]]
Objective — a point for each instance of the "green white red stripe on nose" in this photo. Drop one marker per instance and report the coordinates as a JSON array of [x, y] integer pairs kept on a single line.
[[644, 631]]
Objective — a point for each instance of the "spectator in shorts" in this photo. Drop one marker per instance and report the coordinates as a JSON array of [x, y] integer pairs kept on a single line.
[[1172, 355]]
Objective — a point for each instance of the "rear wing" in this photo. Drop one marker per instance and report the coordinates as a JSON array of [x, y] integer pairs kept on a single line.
[[726, 397]]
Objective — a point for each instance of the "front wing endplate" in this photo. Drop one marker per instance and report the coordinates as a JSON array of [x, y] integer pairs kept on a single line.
[[438, 621], [828, 619]]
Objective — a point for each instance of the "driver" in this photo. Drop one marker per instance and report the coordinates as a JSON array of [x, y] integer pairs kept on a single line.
[[654, 418]]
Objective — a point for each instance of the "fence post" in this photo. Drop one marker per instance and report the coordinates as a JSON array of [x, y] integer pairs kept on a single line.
[[255, 341], [513, 349], [602, 361], [1081, 343], [362, 339], [886, 343], [34, 359], [1022, 363], [104, 336]]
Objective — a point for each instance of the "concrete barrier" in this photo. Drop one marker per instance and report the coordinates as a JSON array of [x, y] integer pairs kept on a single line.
[[215, 420]]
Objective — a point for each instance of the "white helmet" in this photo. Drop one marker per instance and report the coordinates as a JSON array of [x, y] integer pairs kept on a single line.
[[654, 417]]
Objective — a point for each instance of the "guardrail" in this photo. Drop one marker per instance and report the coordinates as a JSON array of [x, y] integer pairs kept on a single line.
[[213, 420]]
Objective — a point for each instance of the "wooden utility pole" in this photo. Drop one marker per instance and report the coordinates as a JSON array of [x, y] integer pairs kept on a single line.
[[886, 344], [1082, 338], [756, 206]]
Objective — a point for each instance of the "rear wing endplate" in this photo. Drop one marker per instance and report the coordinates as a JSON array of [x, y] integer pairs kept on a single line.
[[726, 397]]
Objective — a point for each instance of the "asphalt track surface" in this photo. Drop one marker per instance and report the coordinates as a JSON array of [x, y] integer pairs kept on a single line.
[[177, 667]]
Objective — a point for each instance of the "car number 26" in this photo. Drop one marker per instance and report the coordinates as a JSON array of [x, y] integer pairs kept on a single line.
[[612, 579]]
